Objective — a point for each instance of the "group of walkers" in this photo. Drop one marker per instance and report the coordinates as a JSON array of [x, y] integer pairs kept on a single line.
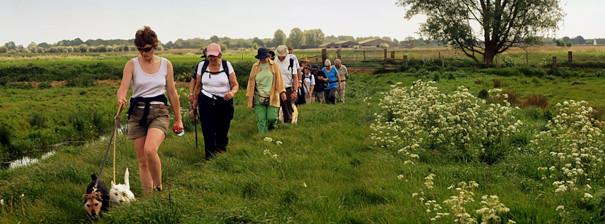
[[277, 80]]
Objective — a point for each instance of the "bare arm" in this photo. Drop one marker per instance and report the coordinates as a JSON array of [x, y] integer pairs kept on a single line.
[[174, 98], [124, 84], [234, 86]]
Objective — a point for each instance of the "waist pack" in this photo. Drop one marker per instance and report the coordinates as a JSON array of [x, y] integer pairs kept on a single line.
[[263, 100]]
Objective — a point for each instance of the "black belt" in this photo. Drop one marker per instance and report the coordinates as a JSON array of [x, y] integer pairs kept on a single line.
[[147, 101]]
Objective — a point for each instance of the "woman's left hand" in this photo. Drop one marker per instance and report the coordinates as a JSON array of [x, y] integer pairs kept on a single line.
[[229, 95], [177, 127]]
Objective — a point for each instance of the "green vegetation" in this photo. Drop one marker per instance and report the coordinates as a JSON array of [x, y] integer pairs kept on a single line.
[[325, 171]]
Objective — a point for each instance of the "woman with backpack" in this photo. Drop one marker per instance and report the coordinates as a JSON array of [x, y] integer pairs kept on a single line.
[[264, 91], [216, 85], [307, 83], [148, 117]]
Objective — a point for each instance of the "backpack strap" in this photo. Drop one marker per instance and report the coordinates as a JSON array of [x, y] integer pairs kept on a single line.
[[204, 67], [291, 68], [227, 72], [225, 67]]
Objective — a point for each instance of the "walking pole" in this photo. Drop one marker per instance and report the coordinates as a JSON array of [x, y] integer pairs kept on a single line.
[[194, 117]]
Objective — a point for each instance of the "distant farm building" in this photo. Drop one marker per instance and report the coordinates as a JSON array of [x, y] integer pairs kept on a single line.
[[376, 43], [340, 44]]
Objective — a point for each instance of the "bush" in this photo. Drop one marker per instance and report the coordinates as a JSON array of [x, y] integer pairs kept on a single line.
[[422, 117], [572, 150]]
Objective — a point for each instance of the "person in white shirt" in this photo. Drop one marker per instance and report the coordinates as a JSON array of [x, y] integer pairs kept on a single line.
[[308, 82], [215, 87], [289, 70]]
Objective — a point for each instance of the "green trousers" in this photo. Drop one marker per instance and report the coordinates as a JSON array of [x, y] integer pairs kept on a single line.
[[266, 116]]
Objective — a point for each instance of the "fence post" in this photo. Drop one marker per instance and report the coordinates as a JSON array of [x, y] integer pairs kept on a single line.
[[441, 60], [569, 57], [385, 54], [554, 62], [393, 55], [338, 53], [364, 55], [324, 55], [405, 59]]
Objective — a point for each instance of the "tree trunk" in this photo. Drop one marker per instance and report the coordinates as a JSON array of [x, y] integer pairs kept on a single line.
[[488, 57]]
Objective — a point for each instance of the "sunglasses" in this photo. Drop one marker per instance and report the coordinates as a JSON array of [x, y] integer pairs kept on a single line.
[[145, 49]]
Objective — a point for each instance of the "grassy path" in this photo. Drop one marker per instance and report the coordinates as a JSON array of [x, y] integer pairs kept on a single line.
[[325, 171]]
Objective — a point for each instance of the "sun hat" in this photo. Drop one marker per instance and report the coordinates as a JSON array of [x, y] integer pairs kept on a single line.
[[281, 50], [262, 53]]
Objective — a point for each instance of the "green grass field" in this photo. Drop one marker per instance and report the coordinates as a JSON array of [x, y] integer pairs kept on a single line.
[[326, 170]]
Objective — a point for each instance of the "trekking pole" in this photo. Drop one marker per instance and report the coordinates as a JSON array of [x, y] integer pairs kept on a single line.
[[194, 117]]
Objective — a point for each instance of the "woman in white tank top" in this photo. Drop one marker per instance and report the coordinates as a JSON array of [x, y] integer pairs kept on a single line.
[[148, 116]]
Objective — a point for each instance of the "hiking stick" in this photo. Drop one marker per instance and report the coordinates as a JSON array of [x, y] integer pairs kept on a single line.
[[194, 117]]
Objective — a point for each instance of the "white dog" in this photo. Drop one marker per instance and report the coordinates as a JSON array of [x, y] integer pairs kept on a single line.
[[120, 193], [280, 114]]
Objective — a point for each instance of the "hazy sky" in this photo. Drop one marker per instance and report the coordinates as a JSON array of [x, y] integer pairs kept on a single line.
[[24, 21]]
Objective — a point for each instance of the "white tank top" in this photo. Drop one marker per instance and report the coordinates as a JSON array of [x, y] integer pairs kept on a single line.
[[215, 84], [149, 85]]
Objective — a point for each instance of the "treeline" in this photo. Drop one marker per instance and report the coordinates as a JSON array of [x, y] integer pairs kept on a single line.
[[296, 38]]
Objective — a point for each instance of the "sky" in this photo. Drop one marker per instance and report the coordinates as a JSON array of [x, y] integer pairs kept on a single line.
[[24, 21]]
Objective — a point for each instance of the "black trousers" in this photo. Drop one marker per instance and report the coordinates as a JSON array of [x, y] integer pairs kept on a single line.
[[330, 95], [286, 107], [215, 117]]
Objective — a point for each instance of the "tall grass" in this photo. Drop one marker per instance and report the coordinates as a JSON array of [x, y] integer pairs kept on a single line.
[[324, 172]]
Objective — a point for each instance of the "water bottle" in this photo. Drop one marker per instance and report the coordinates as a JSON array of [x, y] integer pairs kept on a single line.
[[179, 132]]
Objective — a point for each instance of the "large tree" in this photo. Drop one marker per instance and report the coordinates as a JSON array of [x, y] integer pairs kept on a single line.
[[484, 27], [279, 38], [313, 38], [296, 38]]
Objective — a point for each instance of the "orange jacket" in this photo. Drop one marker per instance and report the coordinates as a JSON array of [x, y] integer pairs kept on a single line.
[[276, 89]]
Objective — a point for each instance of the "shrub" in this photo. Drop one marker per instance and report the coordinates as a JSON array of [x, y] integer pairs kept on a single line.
[[457, 206], [572, 148], [422, 117]]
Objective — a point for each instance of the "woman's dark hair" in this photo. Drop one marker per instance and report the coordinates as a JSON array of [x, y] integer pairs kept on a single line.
[[145, 36]]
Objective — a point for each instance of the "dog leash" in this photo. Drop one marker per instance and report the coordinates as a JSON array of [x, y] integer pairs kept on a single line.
[[115, 134], [106, 155]]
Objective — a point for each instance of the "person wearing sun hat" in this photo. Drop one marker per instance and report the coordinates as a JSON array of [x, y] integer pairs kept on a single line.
[[289, 68], [264, 91], [215, 86]]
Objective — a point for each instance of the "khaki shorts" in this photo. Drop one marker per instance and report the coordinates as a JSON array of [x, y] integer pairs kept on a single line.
[[157, 118]]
